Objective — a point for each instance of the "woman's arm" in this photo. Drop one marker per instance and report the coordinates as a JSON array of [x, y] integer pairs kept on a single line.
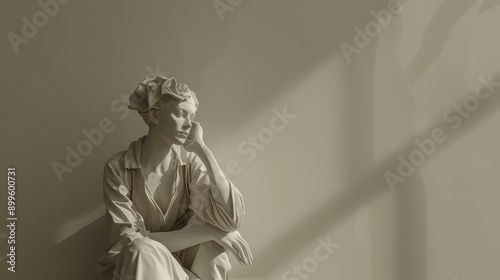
[[183, 238], [219, 184], [186, 237]]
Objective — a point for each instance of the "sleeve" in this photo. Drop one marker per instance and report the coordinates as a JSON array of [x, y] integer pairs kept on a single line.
[[124, 222], [206, 208]]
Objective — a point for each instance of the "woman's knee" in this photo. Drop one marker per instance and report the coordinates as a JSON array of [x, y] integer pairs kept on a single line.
[[141, 245]]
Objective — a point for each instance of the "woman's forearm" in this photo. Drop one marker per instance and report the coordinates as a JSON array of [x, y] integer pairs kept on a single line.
[[184, 238], [219, 183]]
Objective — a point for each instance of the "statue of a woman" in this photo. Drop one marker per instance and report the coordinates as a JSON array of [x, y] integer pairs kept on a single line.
[[171, 212]]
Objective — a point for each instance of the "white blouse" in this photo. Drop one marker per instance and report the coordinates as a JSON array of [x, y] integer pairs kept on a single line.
[[131, 211]]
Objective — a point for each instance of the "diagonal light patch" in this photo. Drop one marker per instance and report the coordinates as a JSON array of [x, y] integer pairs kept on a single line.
[[78, 223], [437, 33], [488, 5]]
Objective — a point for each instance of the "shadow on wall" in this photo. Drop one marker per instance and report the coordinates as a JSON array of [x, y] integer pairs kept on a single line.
[[76, 257], [365, 190]]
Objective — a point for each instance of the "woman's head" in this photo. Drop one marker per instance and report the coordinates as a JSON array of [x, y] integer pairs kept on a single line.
[[154, 94], [165, 106]]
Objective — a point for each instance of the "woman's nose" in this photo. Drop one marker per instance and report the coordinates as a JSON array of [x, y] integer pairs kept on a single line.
[[188, 123]]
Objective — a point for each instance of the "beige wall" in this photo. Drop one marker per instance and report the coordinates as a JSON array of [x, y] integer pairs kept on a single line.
[[321, 176]]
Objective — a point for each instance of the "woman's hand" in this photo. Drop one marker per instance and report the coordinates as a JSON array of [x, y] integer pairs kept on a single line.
[[194, 140], [233, 242]]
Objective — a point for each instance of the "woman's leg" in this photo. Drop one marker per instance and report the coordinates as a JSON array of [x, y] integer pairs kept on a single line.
[[211, 262], [147, 259]]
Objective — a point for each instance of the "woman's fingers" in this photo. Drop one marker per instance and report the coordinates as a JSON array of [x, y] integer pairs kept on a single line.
[[248, 255], [229, 246], [246, 250], [236, 254], [243, 247], [234, 249], [237, 247]]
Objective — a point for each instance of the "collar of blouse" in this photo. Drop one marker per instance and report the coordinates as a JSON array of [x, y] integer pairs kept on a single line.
[[133, 154]]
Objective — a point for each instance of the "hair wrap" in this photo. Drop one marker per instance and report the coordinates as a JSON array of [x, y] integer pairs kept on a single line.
[[152, 90]]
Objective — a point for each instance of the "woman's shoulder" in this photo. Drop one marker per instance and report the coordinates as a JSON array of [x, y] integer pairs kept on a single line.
[[116, 160], [115, 168], [128, 158]]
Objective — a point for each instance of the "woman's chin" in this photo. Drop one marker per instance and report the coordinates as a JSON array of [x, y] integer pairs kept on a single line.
[[179, 141]]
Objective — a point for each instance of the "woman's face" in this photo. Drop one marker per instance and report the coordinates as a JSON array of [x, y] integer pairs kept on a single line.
[[175, 121]]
